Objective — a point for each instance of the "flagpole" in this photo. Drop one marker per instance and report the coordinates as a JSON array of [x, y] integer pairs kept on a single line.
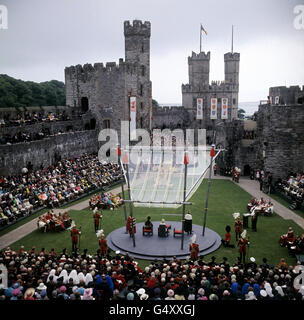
[[232, 41], [186, 161], [201, 38]]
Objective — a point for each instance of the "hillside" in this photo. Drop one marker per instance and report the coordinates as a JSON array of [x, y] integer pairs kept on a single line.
[[19, 93]]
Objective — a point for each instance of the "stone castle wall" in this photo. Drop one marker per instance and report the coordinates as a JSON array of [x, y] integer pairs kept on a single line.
[[280, 131], [43, 152]]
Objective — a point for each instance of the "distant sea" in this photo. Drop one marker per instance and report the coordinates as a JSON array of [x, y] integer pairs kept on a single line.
[[249, 107]]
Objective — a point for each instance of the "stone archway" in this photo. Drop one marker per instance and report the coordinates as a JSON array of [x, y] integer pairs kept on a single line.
[[247, 170], [84, 104]]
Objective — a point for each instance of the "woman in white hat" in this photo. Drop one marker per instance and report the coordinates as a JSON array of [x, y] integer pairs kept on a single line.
[[41, 287]]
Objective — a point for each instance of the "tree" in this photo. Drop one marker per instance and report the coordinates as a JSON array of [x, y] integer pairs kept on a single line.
[[154, 103], [17, 93], [241, 114]]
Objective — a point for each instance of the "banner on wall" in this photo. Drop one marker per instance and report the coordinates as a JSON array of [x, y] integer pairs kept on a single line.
[[199, 108], [132, 118], [213, 111], [224, 108], [276, 99]]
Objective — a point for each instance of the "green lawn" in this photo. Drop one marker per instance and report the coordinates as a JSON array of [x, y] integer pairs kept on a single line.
[[225, 199]]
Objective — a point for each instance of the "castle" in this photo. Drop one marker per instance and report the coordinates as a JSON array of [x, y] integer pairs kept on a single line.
[[105, 90], [102, 92]]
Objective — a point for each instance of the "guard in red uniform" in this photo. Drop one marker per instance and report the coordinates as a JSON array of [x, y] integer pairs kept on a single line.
[[103, 245], [194, 248], [226, 241], [96, 217], [74, 234], [238, 226], [243, 243], [129, 225]]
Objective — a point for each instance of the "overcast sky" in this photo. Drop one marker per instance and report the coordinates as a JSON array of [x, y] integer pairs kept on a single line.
[[45, 36]]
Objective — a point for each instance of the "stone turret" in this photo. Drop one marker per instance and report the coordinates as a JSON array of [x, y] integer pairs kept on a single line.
[[232, 66], [199, 68]]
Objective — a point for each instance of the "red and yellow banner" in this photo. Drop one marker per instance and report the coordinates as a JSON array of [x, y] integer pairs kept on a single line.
[[132, 118], [224, 108], [213, 111], [199, 108]]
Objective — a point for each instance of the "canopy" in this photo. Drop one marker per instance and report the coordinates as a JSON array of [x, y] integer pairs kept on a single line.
[[157, 174]]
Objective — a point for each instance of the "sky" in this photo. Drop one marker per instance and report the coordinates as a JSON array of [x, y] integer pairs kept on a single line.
[[43, 37]]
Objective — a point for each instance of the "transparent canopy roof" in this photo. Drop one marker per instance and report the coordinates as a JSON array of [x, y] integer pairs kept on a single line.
[[157, 174]]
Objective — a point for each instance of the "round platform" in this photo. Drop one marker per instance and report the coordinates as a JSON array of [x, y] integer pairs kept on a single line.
[[152, 247]]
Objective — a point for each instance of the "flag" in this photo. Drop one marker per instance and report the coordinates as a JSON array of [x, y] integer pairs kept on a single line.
[[212, 152], [202, 29], [199, 108]]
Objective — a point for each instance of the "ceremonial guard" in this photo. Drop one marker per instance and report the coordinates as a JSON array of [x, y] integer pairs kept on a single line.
[[238, 225], [74, 235], [243, 244], [194, 248], [97, 217], [103, 245], [226, 241], [129, 225]]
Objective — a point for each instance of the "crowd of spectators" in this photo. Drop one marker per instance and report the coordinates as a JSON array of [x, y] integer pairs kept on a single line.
[[20, 137], [292, 188], [27, 118], [260, 206], [68, 179], [105, 201], [294, 243], [42, 275], [51, 222]]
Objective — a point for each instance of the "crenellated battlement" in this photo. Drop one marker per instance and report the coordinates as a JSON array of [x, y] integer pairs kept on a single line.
[[137, 28], [89, 69], [199, 56], [233, 56], [166, 109], [215, 86]]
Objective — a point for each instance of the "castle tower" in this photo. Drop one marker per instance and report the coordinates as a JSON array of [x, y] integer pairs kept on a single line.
[[137, 54], [199, 68], [137, 43], [232, 65]]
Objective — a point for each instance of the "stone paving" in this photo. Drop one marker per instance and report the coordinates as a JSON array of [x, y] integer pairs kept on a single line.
[[251, 186]]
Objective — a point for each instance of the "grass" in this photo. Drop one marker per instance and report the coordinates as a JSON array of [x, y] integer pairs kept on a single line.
[[225, 199]]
